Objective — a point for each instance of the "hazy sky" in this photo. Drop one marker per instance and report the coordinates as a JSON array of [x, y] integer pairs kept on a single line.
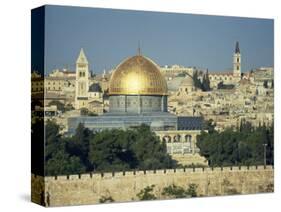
[[108, 36]]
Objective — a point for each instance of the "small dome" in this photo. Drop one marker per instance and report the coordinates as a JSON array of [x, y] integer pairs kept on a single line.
[[137, 75], [95, 87], [187, 81]]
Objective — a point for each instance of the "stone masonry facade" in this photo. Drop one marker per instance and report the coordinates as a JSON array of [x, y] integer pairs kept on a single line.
[[123, 186]]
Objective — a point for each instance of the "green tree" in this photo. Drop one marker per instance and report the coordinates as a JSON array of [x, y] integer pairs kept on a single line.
[[196, 80], [237, 147], [63, 164], [206, 82], [147, 193], [106, 199], [209, 125], [149, 151], [192, 190], [173, 191], [108, 151], [53, 139], [137, 148], [58, 161], [78, 145]]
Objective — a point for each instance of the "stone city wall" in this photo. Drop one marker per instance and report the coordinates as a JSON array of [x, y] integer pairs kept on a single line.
[[124, 186]]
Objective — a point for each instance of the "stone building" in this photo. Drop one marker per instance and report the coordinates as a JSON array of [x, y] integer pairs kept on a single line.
[[172, 71], [60, 82], [228, 77], [88, 94], [37, 83], [76, 88], [187, 85], [138, 95]]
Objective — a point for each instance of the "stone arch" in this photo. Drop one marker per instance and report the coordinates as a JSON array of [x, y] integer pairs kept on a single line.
[[176, 138], [167, 138], [188, 140]]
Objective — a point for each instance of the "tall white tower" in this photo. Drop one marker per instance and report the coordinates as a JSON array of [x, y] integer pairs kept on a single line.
[[82, 81], [237, 62]]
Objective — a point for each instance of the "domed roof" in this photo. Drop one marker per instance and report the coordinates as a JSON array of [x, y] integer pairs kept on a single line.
[[95, 87], [137, 75], [187, 81]]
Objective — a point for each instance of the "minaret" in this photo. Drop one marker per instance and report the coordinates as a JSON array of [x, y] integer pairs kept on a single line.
[[82, 81], [237, 62]]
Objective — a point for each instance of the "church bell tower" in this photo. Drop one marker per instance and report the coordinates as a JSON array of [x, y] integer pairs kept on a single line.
[[82, 81], [237, 62]]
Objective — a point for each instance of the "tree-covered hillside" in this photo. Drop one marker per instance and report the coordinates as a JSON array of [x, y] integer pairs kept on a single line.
[[105, 151], [247, 146]]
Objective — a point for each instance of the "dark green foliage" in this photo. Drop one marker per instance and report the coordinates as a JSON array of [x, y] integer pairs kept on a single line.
[[196, 81], [57, 158], [192, 190], [209, 126], [109, 151], [205, 84], [147, 193], [78, 145], [137, 148], [106, 199], [240, 147], [173, 191], [105, 151], [63, 164]]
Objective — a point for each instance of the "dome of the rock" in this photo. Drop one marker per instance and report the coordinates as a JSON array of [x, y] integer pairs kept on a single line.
[[137, 75]]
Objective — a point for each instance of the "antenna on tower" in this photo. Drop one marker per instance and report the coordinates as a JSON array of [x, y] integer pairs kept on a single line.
[[139, 50]]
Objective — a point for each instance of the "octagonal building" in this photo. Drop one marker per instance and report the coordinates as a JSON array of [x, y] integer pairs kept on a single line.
[[137, 86], [137, 95]]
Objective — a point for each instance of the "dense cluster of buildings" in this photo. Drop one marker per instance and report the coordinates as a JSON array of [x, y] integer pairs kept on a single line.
[[234, 97], [138, 91]]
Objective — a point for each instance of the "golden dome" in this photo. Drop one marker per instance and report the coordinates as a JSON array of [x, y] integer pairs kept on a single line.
[[137, 75]]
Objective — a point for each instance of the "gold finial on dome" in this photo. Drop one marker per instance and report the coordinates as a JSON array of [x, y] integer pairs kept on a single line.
[[137, 75]]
